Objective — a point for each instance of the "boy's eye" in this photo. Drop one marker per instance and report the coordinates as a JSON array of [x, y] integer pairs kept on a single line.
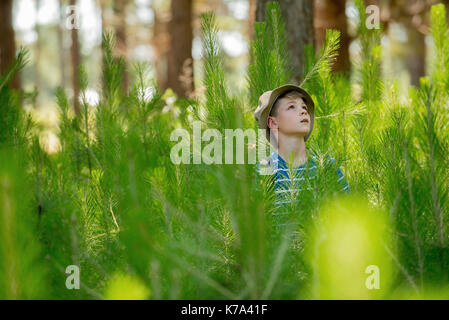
[[290, 107]]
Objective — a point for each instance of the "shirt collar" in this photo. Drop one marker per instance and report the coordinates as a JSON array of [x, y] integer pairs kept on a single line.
[[275, 156]]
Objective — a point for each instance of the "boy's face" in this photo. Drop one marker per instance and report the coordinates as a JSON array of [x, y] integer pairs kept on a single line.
[[292, 117]]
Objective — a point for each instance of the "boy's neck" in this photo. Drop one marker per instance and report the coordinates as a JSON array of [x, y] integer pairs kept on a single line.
[[293, 146]]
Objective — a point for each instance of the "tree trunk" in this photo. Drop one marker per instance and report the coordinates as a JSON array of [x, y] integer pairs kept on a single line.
[[159, 43], [120, 36], [416, 55], [7, 42], [180, 62], [61, 44], [298, 18], [76, 61], [330, 14], [251, 18], [37, 80], [102, 6]]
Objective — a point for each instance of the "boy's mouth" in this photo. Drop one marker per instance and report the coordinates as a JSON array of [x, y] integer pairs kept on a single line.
[[305, 121]]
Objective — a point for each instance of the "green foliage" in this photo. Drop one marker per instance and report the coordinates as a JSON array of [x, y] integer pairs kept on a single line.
[[219, 107], [23, 273], [440, 33], [270, 62], [14, 126], [112, 202], [368, 67], [330, 100], [326, 57]]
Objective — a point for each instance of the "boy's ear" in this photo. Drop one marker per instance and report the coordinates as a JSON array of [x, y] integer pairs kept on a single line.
[[272, 122]]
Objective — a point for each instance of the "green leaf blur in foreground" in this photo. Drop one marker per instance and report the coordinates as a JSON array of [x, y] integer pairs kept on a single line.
[[350, 254]]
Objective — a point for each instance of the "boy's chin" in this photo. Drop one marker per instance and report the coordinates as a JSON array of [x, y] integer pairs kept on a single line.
[[300, 133]]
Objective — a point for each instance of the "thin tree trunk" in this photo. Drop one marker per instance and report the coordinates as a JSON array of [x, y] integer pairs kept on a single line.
[[330, 14], [61, 45], [298, 17], [76, 61], [7, 41], [180, 62], [416, 55], [251, 18], [102, 8], [37, 55], [159, 46], [120, 35]]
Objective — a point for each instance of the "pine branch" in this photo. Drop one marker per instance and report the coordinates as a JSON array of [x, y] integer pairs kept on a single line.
[[440, 34], [427, 98], [270, 64], [327, 56], [218, 104], [18, 64], [413, 214]]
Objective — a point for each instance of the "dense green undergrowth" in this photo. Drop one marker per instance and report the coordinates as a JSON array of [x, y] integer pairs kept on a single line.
[[112, 202]]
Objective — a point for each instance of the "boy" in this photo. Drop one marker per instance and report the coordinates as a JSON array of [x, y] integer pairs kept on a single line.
[[287, 114]]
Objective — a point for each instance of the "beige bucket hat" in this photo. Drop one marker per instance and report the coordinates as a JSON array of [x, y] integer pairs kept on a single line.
[[267, 100]]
